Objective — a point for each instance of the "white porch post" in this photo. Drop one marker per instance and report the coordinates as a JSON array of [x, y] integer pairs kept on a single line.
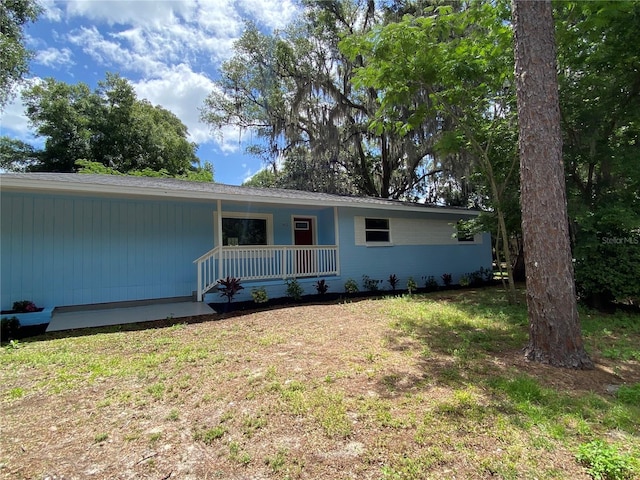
[[219, 238], [336, 227]]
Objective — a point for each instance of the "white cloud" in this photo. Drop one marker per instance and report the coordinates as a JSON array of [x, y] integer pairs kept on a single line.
[[14, 122], [50, 10], [111, 54], [125, 12], [273, 14], [54, 57], [182, 91]]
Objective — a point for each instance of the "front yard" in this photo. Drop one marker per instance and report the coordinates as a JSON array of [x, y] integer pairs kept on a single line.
[[430, 386]]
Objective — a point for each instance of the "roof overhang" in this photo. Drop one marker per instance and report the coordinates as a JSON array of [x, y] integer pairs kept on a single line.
[[153, 190]]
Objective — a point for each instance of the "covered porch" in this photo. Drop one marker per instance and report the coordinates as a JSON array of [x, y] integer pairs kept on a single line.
[[269, 243]]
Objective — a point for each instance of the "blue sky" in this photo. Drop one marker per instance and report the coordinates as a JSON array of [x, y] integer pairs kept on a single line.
[[169, 50]]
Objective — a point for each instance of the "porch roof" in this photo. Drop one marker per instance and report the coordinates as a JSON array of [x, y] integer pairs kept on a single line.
[[116, 185]]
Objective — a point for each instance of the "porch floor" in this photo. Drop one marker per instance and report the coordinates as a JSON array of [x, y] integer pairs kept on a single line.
[[117, 316]]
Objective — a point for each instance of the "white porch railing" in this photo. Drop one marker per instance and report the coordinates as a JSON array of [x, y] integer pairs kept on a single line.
[[264, 263]]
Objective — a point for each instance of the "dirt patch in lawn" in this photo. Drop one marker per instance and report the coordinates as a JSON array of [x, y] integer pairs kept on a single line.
[[316, 391]]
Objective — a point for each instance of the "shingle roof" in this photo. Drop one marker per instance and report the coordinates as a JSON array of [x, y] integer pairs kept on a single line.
[[176, 188]]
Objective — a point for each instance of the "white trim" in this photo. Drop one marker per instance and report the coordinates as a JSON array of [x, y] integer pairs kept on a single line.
[[413, 231], [378, 243], [314, 227], [336, 228], [218, 221], [245, 215]]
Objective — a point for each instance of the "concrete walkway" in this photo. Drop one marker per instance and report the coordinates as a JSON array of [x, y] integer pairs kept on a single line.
[[118, 316]]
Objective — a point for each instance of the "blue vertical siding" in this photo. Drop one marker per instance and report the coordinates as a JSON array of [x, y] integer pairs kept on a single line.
[[406, 261], [73, 250]]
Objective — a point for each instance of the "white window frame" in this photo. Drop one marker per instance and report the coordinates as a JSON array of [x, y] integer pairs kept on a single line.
[[247, 216], [388, 230]]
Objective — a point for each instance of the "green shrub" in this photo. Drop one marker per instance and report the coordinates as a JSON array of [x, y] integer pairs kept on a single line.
[[393, 282], [259, 295], [431, 284], [412, 286], [607, 254], [605, 462], [370, 284], [294, 289], [350, 286], [24, 306]]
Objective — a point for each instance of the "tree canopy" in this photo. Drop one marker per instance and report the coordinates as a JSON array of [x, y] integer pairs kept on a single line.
[[294, 89], [109, 126], [14, 15], [599, 65]]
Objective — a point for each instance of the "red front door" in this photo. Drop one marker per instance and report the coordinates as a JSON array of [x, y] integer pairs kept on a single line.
[[303, 235]]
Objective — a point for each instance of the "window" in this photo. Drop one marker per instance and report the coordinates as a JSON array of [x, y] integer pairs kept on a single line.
[[464, 232], [377, 230], [244, 231]]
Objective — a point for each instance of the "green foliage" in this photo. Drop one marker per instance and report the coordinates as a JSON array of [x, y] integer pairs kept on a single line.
[[321, 287], [447, 279], [412, 286], [370, 284], [259, 295], [607, 254], [458, 67], [293, 89], [14, 16], [393, 282], [110, 126], [604, 462], [629, 394], [265, 178], [600, 105], [209, 435], [278, 461], [230, 287], [195, 174], [431, 284], [350, 286], [24, 306], [479, 277], [16, 155], [294, 289]]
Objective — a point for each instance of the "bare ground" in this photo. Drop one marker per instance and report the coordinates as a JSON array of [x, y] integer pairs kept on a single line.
[[268, 382]]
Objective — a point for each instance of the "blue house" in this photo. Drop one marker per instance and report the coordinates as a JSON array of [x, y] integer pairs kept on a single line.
[[72, 239]]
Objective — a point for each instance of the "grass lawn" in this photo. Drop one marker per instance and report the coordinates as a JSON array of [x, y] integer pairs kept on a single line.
[[429, 386]]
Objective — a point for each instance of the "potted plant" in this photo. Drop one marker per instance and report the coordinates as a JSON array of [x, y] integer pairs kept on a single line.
[[28, 313]]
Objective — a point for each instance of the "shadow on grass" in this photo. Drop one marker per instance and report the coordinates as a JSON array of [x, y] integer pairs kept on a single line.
[[474, 339]]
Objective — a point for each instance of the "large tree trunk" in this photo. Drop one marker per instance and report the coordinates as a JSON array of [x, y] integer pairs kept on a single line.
[[554, 335]]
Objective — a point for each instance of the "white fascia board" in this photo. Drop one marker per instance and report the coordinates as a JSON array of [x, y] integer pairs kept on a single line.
[[22, 184]]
